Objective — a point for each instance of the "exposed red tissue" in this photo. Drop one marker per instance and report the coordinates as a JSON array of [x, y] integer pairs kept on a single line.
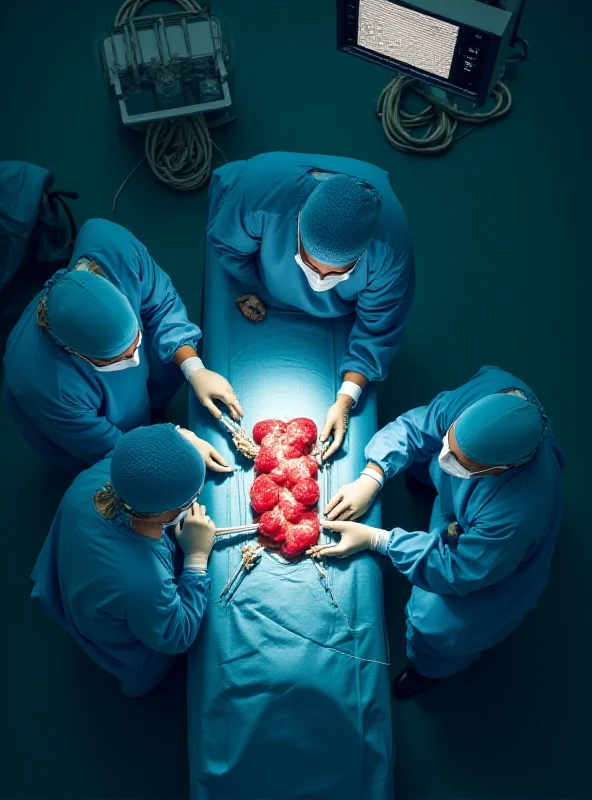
[[264, 494], [299, 469], [291, 451], [302, 433], [274, 442], [302, 536], [262, 429], [291, 508], [285, 491], [266, 460], [280, 474], [274, 525], [306, 491]]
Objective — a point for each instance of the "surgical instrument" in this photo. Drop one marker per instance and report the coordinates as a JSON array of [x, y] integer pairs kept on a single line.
[[237, 529]]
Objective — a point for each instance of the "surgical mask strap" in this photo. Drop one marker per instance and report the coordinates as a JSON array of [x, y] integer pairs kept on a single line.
[[455, 468], [116, 366], [180, 516]]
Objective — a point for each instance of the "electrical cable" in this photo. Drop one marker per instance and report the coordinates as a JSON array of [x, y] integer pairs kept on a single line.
[[131, 9], [178, 151], [440, 117]]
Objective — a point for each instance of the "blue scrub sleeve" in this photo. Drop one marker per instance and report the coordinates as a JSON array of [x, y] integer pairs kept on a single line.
[[235, 236], [162, 312], [77, 429], [382, 310], [167, 617], [164, 316], [414, 436], [487, 552]]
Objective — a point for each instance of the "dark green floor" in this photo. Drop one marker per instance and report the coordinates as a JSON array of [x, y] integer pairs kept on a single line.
[[502, 258]]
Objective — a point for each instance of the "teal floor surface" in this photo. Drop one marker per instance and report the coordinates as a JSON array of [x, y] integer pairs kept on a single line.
[[502, 259]]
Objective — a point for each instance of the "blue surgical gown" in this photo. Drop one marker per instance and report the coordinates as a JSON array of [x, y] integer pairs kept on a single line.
[[69, 412], [115, 590], [254, 207], [474, 585]]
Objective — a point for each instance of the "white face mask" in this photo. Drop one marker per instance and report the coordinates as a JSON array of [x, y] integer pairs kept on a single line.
[[451, 466], [125, 363], [180, 516], [314, 281]]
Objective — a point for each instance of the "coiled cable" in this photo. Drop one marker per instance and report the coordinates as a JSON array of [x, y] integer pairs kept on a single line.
[[439, 116], [178, 151]]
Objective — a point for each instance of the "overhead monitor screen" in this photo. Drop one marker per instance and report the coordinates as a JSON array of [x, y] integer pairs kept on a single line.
[[409, 37]]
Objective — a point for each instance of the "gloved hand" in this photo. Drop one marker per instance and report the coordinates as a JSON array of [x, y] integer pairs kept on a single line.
[[197, 538], [353, 499], [210, 455], [209, 386], [336, 423], [354, 537]]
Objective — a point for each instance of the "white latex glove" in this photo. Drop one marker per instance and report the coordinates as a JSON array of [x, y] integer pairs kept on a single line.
[[354, 537], [210, 455], [209, 386], [197, 538], [353, 499], [336, 423]]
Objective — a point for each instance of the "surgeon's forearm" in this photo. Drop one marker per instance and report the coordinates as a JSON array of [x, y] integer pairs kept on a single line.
[[183, 353], [371, 465], [186, 357], [353, 384], [357, 378]]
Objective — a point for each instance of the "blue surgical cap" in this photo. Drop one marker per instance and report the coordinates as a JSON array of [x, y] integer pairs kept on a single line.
[[155, 469], [88, 314], [500, 429], [339, 220]]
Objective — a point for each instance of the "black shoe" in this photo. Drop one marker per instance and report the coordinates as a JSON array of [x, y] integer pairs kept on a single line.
[[409, 683]]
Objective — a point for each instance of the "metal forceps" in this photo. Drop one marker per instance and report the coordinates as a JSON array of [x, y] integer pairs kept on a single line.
[[251, 557], [239, 434], [250, 528]]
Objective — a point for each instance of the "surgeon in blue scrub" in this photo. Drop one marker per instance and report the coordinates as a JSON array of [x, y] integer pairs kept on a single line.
[[106, 343], [108, 570], [487, 450], [323, 235]]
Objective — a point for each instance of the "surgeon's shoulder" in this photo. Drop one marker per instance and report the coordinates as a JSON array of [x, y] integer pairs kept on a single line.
[[119, 253], [493, 379], [275, 160], [25, 339], [85, 484], [102, 230], [69, 388], [39, 373], [391, 255], [524, 504], [267, 170], [393, 228], [80, 520]]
